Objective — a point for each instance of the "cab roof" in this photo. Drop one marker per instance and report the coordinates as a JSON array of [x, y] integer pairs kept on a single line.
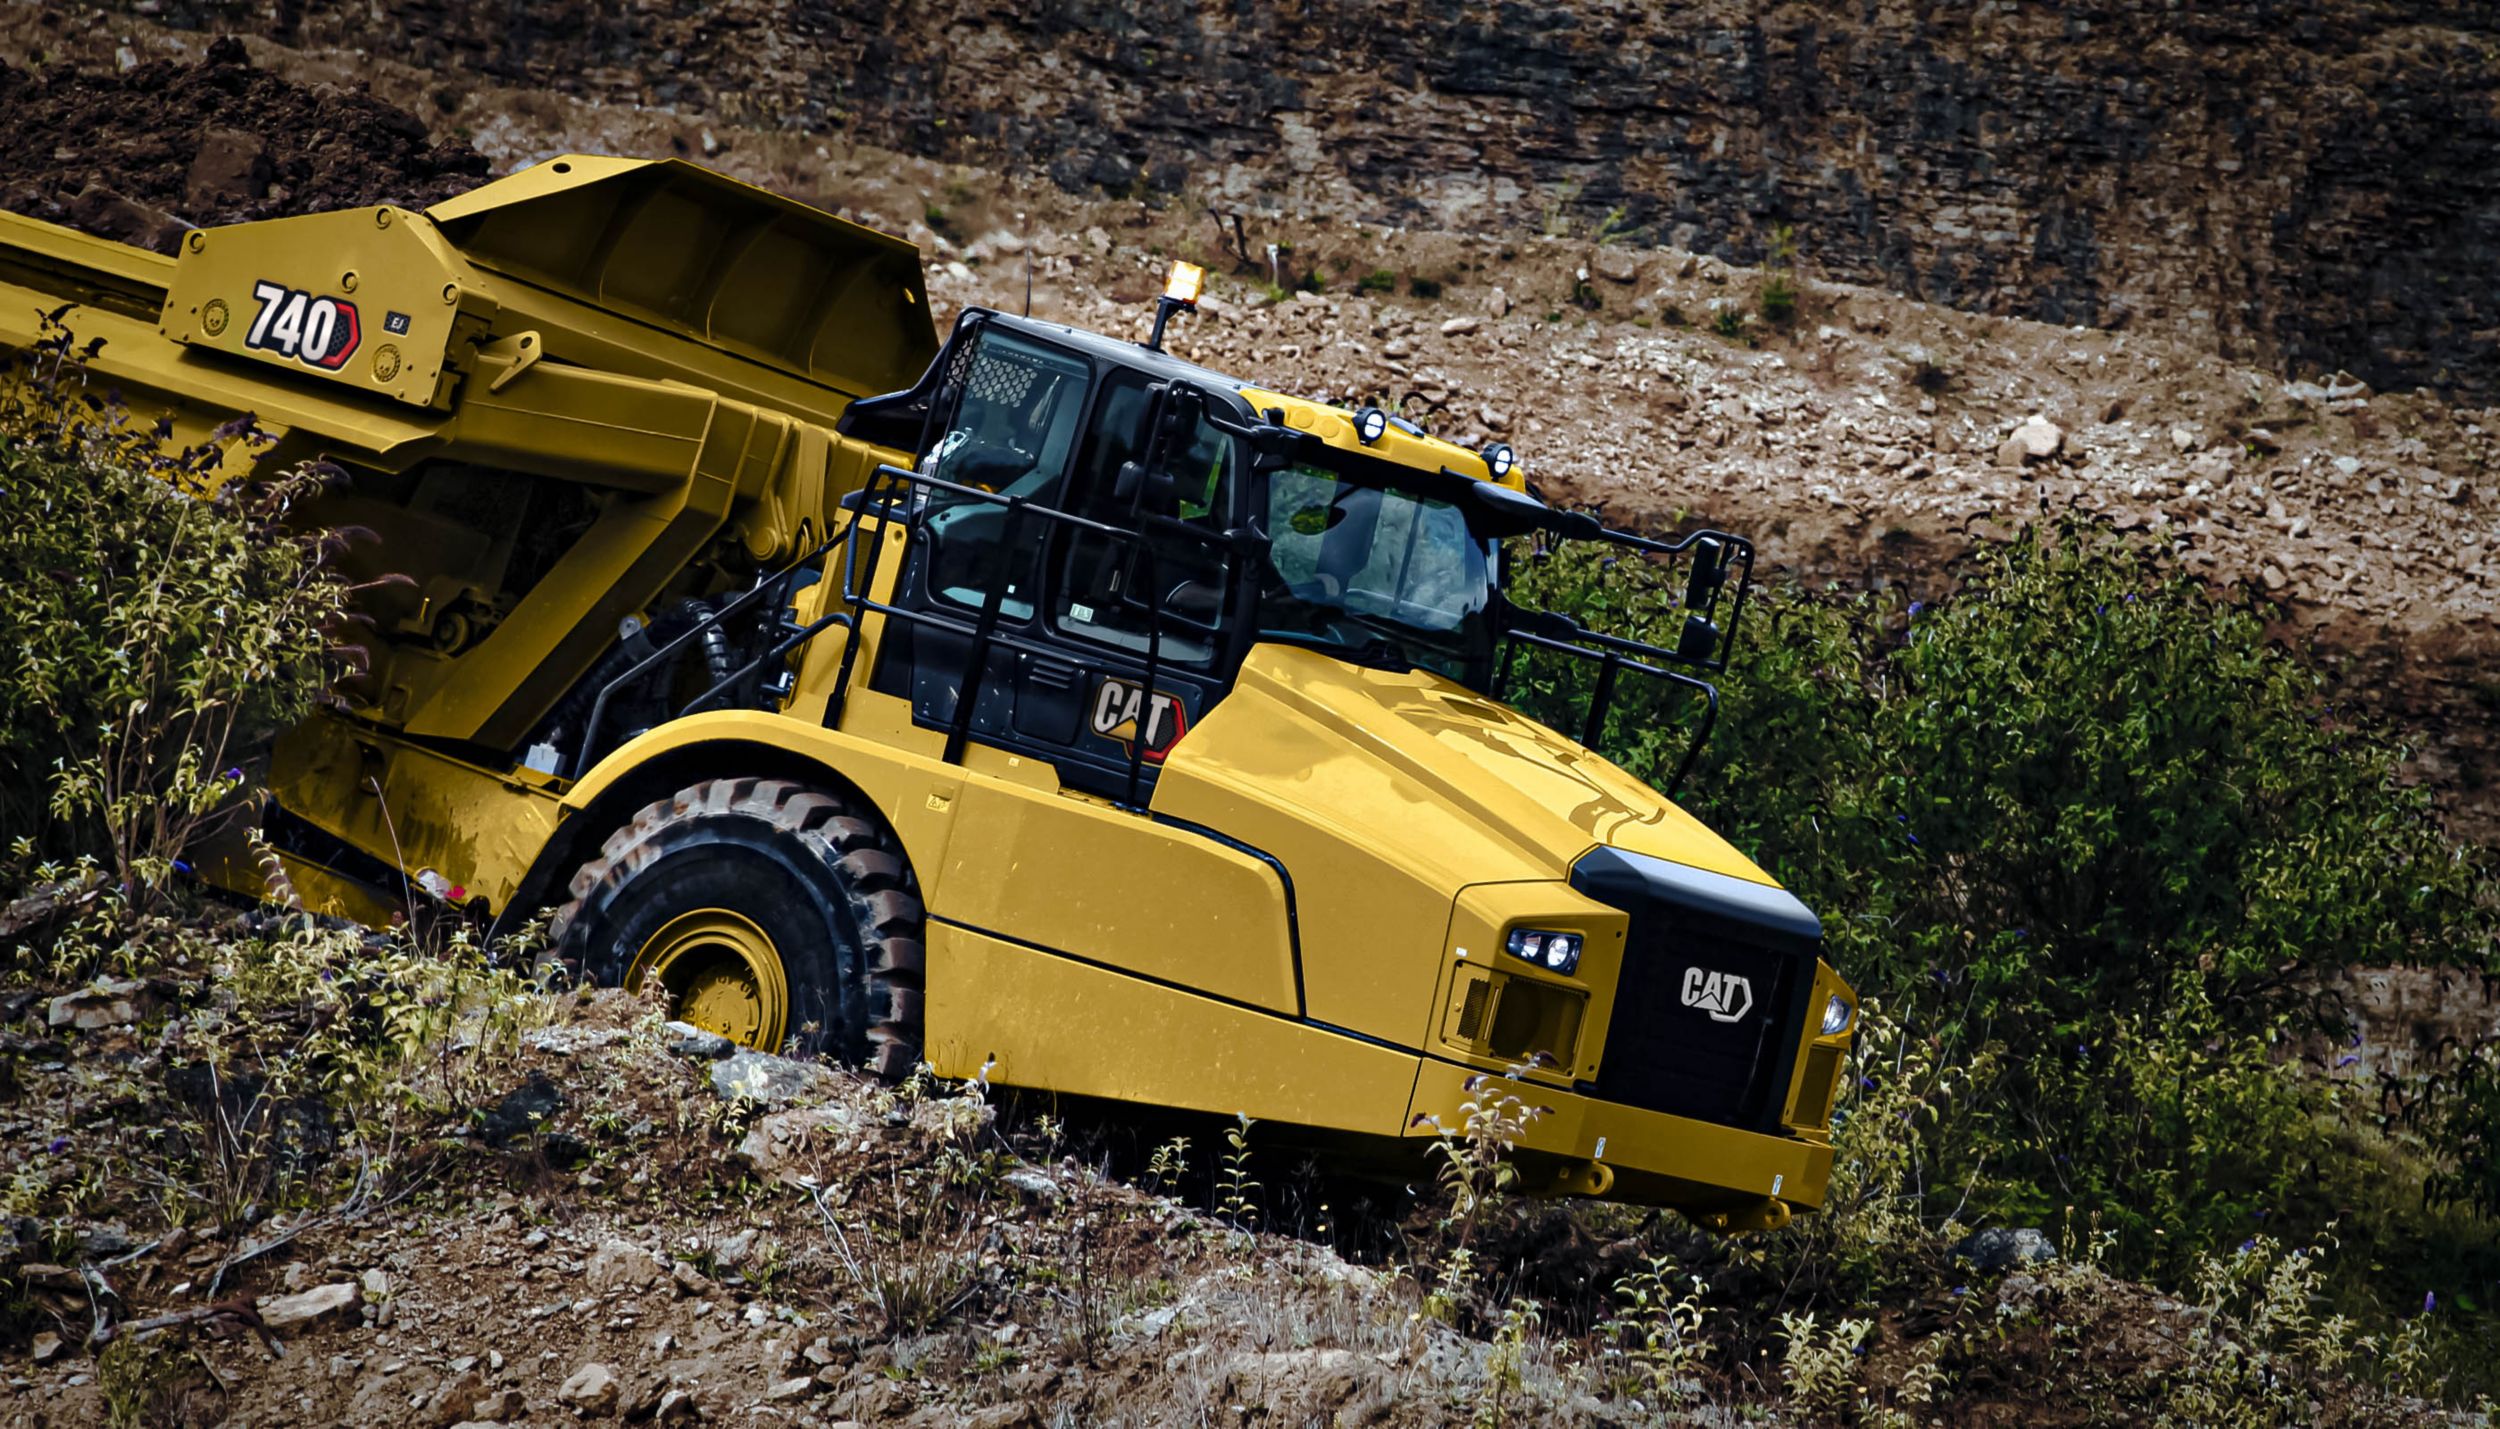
[[1331, 424]]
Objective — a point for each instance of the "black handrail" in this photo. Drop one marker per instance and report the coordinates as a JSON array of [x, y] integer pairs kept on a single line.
[[893, 491], [1612, 662]]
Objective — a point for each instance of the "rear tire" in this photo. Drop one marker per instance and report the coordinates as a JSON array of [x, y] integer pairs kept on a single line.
[[778, 915]]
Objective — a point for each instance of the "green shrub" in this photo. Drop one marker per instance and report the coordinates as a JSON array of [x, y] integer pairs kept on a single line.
[[1378, 280], [305, 1065], [2080, 822], [155, 635], [1778, 296]]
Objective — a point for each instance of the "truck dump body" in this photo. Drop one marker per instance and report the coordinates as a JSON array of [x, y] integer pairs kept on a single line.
[[1066, 711]]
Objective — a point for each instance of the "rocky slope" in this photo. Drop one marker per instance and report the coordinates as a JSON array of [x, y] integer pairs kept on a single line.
[[2307, 183], [558, 1210]]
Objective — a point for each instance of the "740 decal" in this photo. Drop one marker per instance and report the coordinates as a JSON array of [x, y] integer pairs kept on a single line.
[[319, 332]]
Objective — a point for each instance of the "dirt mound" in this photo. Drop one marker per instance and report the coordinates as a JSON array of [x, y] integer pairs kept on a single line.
[[142, 154]]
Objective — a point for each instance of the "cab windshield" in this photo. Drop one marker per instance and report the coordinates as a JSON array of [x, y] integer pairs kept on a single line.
[[1382, 574]]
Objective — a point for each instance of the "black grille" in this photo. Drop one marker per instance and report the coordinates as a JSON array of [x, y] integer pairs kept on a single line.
[[1743, 952], [1666, 1056]]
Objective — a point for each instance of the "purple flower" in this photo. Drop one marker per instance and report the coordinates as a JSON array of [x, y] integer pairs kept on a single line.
[[234, 772], [59, 1145], [2430, 1301], [2345, 1061], [1915, 607], [2248, 1245]]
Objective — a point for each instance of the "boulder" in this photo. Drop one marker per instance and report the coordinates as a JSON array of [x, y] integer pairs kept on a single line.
[[522, 1111], [1032, 1184], [1616, 264], [764, 1078], [108, 1002], [1998, 1248], [783, 1144], [309, 1309]]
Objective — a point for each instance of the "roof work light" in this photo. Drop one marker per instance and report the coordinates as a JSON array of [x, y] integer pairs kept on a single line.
[[1184, 283], [1180, 294]]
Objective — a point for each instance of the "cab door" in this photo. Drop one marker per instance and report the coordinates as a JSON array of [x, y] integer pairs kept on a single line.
[[1080, 595], [1070, 576]]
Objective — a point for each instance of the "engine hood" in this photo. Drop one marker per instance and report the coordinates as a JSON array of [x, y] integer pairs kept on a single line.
[[1422, 772]]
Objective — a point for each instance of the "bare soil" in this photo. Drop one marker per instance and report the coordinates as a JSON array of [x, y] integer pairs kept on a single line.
[[139, 154]]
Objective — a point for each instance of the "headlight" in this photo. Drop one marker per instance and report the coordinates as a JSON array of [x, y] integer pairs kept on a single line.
[[1369, 423], [1836, 1015], [1498, 460], [1555, 952]]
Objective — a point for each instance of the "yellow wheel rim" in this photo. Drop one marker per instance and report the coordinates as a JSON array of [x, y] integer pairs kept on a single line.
[[722, 974]]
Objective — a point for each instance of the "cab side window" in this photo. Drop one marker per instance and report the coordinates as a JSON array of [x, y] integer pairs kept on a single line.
[[1111, 587], [1011, 432]]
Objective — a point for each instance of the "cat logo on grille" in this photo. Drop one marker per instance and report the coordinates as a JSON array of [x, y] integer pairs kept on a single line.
[[1727, 997]]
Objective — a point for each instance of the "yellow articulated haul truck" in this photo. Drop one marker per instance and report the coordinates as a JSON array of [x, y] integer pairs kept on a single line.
[[1037, 701]]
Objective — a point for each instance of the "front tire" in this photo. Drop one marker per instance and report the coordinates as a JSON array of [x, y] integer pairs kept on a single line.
[[777, 915]]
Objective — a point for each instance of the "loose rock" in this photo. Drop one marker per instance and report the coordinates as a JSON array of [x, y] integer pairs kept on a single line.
[[617, 1266], [2037, 439], [591, 1390], [321, 1305]]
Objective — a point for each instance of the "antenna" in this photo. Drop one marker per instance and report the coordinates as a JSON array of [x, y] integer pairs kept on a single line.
[[1024, 226]]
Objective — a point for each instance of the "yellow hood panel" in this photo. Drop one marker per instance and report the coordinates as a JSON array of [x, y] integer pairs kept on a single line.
[[1427, 773]]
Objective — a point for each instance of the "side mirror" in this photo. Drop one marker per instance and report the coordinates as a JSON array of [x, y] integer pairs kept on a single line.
[[1501, 511], [1699, 642], [1709, 573]]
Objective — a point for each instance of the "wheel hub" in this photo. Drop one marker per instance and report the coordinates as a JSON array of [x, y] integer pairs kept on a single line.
[[722, 973]]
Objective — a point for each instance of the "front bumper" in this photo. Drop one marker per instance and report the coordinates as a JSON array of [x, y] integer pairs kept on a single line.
[[1654, 1158]]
